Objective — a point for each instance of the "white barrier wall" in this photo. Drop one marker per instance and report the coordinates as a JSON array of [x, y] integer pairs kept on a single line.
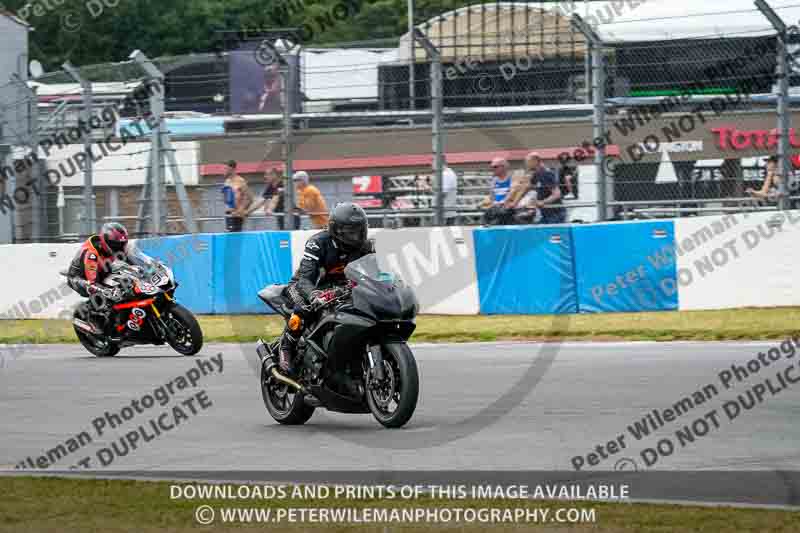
[[438, 262], [728, 261], [31, 286], [738, 260]]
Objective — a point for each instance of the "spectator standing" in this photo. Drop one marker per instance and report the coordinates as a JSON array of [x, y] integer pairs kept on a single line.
[[772, 182], [310, 200], [496, 211], [237, 198], [272, 198], [548, 191], [449, 194], [567, 180]]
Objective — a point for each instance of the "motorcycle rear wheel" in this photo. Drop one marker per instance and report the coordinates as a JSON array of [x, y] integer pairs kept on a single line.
[[96, 345], [401, 387], [284, 404]]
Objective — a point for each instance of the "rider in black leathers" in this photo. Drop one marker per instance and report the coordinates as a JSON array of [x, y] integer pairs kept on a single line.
[[324, 258]]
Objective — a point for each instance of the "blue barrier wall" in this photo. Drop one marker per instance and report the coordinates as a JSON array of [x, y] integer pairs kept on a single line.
[[190, 258], [244, 263], [525, 270], [625, 267], [519, 270]]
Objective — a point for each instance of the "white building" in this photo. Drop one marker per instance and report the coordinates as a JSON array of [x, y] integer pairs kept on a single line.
[[14, 110]]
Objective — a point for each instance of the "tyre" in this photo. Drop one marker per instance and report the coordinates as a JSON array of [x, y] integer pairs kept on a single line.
[[183, 331], [284, 403], [393, 401], [95, 344]]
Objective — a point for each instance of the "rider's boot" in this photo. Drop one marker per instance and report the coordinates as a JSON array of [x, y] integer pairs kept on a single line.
[[286, 352]]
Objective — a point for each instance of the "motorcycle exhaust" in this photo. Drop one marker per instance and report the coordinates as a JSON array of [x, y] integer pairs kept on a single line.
[[289, 381], [85, 326], [266, 357]]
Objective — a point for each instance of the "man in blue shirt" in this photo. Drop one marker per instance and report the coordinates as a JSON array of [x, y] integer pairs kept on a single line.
[[548, 191], [496, 212]]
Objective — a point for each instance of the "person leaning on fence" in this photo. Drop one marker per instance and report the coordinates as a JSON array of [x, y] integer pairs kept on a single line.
[[310, 200], [770, 190], [237, 197], [524, 199], [496, 212], [566, 177], [548, 191], [272, 198]]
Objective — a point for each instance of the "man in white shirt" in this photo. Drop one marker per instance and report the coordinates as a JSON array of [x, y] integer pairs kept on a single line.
[[450, 195]]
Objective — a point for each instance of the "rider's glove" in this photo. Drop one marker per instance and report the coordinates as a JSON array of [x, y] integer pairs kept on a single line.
[[304, 311], [111, 294], [321, 298]]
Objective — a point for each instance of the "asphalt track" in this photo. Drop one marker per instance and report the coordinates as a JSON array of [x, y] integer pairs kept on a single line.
[[470, 415]]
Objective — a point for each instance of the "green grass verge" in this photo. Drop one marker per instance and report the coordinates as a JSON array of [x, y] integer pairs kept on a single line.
[[52, 505], [734, 324]]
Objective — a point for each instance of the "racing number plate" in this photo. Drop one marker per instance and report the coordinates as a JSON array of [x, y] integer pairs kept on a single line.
[[148, 288]]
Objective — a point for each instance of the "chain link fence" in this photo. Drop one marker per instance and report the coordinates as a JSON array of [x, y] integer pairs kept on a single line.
[[514, 77]]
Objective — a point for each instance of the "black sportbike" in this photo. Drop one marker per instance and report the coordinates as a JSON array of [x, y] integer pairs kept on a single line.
[[146, 313], [354, 358]]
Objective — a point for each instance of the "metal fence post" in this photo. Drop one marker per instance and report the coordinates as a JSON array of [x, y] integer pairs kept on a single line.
[[597, 75], [412, 60], [288, 146], [89, 208], [288, 70], [161, 150], [6, 222], [40, 203], [437, 123], [782, 75], [31, 139]]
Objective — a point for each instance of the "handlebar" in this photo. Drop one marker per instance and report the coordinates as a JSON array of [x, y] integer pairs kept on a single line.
[[339, 294]]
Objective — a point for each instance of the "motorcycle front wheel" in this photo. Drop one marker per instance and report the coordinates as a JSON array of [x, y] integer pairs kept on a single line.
[[184, 335], [394, 400]]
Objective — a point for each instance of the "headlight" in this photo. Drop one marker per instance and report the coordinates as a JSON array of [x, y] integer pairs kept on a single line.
[[162, 276], [170, 275]]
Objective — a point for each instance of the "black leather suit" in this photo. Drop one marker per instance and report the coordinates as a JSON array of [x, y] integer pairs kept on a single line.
[[322, 266]]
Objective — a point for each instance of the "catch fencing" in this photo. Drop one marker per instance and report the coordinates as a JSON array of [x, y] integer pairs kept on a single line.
[[475, 75]]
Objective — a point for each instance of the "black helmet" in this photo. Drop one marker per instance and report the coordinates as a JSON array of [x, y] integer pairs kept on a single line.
[[348, 226], [114, 237]]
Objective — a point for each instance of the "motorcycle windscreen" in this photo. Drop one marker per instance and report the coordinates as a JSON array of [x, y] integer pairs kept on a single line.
[[152, 271], [380, 293]]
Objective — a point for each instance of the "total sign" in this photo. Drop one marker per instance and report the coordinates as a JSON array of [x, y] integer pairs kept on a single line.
[[731, 138]]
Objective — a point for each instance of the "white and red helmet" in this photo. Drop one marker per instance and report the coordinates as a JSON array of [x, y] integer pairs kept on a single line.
[[113, 237]]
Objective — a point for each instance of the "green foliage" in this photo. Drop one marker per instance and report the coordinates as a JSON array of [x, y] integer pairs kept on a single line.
[[86, 32]]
